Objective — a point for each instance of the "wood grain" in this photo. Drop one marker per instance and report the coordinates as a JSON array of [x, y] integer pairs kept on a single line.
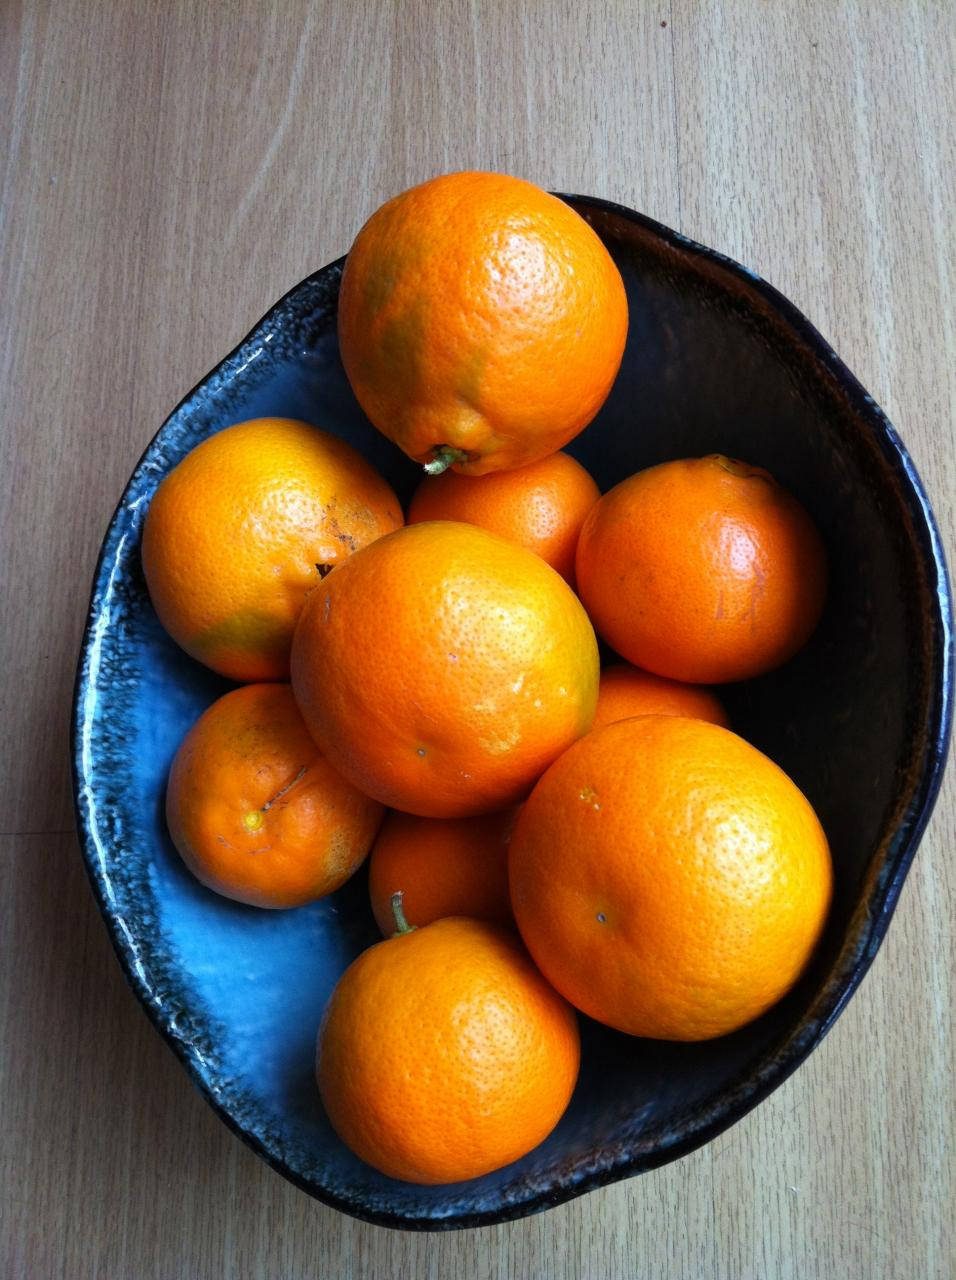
[[168, 170]]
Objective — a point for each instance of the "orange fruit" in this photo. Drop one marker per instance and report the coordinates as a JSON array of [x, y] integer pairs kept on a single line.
[[626, 691], [255, 810], [244, 527], [443, 1054], [481, 321], [668, 878], [442, 867], [540, 506], [441, 669], [703, 570]]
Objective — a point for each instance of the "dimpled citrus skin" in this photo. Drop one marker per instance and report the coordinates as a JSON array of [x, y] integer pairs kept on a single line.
[[541, 506], [703, 569], [626, 691], [668, 878], [442, 669], [236, 533], [477, 311], [443, 1054], [256, 812], [442, 867]]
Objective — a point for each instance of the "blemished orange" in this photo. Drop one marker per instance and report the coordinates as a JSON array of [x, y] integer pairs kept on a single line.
[[540, 506], [443, 1054], [481, 321], [704, 569], [244, 526], [442, 669], [668, 878], [626, 691], [254, 809], [442, 867]]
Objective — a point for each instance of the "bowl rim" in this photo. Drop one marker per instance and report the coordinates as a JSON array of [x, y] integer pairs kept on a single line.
[[867, 927]]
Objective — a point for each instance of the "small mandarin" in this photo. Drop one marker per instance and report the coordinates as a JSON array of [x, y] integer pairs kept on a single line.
[[244, 527], [442, 867], [481, 321], [668, 879], [256, 812], [441, 669], [704, 570], [626, 691], [443, 1053], [540, 506]]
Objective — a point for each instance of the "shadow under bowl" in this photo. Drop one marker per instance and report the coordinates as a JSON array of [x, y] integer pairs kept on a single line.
[[716, 361]]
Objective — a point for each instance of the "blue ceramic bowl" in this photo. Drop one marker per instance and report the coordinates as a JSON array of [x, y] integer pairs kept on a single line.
[[716, 361]]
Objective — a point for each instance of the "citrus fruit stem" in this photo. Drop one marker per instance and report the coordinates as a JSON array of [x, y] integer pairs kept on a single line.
[[401, 924], [446, 455], [738, 468]]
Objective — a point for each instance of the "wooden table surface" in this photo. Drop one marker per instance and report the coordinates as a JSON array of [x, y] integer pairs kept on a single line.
[[169, 170]]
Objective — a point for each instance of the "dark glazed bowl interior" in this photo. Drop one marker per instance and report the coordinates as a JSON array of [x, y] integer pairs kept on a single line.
[[716, 361]]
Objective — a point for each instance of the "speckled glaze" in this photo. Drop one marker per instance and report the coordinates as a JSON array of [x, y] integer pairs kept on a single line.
[[716, 361]]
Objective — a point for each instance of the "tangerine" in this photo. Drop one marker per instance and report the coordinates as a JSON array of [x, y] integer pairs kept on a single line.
[[442, 867], [481, 321], [540, 506], [704, 570], [443, 1054], [255, 810], [442, 669], [244, 527], [669, 879], [626, 691]]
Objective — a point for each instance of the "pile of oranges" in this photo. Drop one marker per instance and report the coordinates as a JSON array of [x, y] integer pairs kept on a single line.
[[545, 837]]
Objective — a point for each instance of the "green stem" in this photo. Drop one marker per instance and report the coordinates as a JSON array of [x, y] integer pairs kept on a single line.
[[446, 455], [401, 924]]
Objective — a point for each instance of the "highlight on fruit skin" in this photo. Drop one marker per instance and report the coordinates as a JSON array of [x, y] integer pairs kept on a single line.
[[443, 1054], [256, 812], [704, 570], [669, 879], [481, 322]]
